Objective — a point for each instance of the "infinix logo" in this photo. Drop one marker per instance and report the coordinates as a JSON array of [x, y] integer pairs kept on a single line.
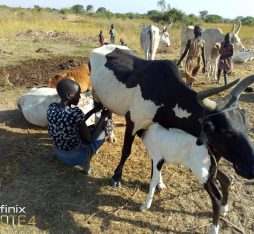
[[4, 209]]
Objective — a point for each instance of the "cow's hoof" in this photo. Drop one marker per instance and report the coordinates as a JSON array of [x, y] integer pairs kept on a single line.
[[143, 207], [161, 186], [116, 184], [214, 229], [224, 210]]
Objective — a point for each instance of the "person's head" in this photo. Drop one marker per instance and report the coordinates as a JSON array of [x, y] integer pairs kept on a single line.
[[198, 30], [122, 41], [112, 25], [69, 91], [227, 38], [100, 31]]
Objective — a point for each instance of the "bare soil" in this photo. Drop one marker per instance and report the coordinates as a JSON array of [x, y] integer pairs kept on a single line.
[[63, 200]]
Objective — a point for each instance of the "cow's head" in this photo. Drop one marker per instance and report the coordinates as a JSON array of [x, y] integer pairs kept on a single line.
[[235, 39], [53, 81], [164, 36], [224, 127]]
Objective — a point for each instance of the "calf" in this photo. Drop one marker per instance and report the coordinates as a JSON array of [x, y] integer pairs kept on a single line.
[[80, 74], [176, 146], [213, 60]]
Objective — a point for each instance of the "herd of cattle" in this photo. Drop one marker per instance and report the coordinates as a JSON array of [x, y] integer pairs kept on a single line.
[[176, 123]]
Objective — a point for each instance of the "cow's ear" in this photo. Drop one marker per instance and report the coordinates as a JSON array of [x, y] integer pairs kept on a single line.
[[206, 133], [208, 128]]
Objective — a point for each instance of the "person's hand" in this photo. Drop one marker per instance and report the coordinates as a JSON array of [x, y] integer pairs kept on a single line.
[[203, 70], [105, 112]]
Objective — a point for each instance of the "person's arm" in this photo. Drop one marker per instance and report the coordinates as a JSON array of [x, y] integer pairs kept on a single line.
[[203, 58], [84, 131], [231, 51], [185, 52], [97, 107]]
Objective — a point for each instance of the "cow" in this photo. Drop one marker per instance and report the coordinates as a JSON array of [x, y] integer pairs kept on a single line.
[[213, 60], [244, 56], [34, 105], [150, 38], [211, 37], [79, 74], [126, 85]]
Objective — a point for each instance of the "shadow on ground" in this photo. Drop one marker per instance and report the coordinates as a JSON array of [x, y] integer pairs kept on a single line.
[[53, 193]]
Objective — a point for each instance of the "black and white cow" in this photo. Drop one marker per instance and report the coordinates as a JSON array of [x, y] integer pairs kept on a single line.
[[152, 91]]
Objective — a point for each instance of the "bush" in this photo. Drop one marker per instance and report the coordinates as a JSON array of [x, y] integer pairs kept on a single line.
[[213, 19], [248, 20], [65, 11]]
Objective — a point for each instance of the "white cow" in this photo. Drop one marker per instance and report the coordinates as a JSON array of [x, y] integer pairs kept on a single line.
[[34, 105], [211, 36], [244, 56], [150, 38]]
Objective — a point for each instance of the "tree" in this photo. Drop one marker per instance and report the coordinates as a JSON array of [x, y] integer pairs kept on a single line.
[[37, 7], [89, 8], [174, 15], [78, 9], [203, 14], [239, 18], [214, 19], [169, 7], [249, 20], [162, 5], [101, 9]]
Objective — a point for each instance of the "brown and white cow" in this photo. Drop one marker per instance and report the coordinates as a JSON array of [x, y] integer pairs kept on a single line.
[[80, 74]]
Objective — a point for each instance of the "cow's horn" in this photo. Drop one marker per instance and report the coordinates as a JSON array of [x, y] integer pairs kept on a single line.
[[239, 27], [233, 28], [236, 92], [210, 104]]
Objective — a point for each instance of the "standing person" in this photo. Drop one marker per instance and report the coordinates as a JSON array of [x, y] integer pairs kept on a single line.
[[101, 38], [196, 49], [112, 34], [75, 143], [225, 60]]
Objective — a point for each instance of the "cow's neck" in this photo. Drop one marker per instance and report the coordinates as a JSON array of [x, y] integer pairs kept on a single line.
[[183, 114]]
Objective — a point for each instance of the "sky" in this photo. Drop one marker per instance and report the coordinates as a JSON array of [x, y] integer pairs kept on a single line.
[[225, 8]]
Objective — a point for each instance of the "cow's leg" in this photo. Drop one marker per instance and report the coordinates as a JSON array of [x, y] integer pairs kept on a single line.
[[216, 198], [225, 183], [153, 183], [126, 151], [215, 69], [160, 184], [153, 54], [209, 71]]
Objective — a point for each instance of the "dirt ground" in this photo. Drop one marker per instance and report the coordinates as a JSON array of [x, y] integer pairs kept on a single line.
[[60, 199]]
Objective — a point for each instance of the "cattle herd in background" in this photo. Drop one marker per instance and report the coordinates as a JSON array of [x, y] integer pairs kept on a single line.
[[151, 95]]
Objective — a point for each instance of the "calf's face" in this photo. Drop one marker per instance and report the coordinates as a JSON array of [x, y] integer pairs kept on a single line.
[[227, 132]]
